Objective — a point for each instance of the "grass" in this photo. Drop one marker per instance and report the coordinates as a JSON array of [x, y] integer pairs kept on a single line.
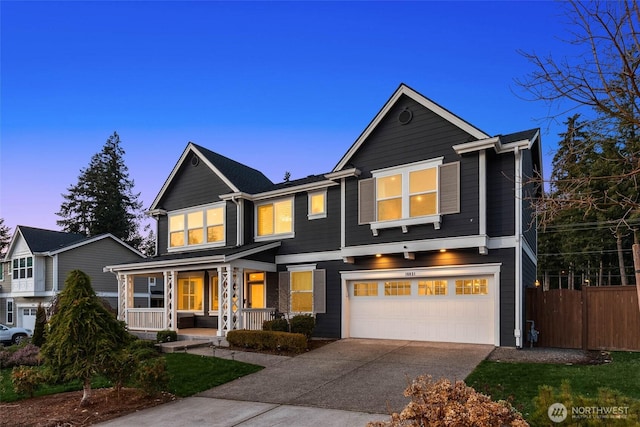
[[519, 382], [189, 374]]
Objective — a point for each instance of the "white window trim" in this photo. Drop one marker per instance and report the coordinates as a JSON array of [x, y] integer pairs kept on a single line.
[[300, 269], [185, 212], [323, 214], [274, 236], [406, 220]]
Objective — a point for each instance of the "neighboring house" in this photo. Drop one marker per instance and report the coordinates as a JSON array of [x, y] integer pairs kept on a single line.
[[422, 231], [38, 261]]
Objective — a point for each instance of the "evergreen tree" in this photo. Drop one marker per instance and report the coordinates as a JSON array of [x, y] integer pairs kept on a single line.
[[41, 324], [5, 236], [102, 201], [82, 334]]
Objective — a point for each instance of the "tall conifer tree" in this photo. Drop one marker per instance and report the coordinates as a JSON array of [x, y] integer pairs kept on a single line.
[[103, 201]]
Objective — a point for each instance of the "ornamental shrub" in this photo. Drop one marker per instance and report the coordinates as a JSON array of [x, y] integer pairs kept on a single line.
[[151, 376], [39, 329], [279, 324], [443, 404], [303, 324], [166, 336], [268, 340], [25, 355], [27, 379]]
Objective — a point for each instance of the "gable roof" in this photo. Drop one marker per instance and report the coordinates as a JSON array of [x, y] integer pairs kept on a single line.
[[51, 242], [40, 240], [239, 177], [419, 98]]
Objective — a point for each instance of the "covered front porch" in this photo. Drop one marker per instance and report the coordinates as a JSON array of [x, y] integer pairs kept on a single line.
[[212, 292]]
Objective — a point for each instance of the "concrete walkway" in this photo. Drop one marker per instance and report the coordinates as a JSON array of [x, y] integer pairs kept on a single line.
[[346, 383]]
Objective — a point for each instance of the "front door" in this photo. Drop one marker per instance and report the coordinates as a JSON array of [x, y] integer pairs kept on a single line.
[[255, 290]]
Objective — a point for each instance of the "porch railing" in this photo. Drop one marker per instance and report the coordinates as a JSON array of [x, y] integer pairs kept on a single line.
[[145, 319], [252, 318]]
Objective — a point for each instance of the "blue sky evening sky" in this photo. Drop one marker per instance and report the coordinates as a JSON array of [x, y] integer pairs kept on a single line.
[[277, 86]]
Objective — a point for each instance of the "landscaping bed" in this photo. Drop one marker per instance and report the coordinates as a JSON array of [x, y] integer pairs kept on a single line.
[[63, 409]]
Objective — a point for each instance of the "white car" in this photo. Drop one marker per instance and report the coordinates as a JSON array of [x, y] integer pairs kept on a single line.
[[13, 335]]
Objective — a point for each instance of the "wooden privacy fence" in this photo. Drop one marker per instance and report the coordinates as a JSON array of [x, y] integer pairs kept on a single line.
[[595, 318]]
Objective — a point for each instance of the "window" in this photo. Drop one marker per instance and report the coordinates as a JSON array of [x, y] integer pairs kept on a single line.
[[215, 297], [152, 281], [190, 293], [23, 268], [365, 289], [409, 194], [1, 270], [417, 193], [301, 292], [397, 288], [317, 205], [432, 287], [275, 218], [200, 227], [10, 311], [471, 287]]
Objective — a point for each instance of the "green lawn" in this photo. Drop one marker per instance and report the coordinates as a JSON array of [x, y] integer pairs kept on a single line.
[[189, 374], [519, 382]]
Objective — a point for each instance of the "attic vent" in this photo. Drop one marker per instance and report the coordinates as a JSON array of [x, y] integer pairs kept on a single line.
[[405, 116], [195, 161]]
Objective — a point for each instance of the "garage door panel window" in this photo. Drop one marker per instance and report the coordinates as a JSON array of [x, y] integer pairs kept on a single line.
[[397, 288], [472, 287], [432, 287], [365, 289]]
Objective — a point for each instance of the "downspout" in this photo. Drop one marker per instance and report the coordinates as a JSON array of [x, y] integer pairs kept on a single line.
[[343, 215], [518, 247]]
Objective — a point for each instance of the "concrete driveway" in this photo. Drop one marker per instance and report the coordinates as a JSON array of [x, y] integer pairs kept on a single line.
[[354, 374], [348, 382]]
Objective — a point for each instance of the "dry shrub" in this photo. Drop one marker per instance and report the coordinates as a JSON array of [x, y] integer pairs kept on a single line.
[[440, 403]]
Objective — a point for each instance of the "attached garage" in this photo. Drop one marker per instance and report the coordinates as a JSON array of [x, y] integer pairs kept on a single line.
[[453, 304]]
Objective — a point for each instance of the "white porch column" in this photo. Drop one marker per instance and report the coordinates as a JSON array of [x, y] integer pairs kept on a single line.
[[230, 285], [169, 303], [122, 297]]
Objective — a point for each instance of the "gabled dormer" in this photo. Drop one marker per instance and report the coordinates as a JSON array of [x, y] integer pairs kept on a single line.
[[202, 203]]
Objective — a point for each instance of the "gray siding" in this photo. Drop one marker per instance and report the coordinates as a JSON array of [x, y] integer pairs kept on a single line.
[[91, 258], [500, 194], [48, 274], [192, 186], [529, 225], [321, 234], [460, 224]]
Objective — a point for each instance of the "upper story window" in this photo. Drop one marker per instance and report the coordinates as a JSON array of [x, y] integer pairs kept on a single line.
[[317, 205], [23, 267], [417, 193], [274, 219], [202, 226]]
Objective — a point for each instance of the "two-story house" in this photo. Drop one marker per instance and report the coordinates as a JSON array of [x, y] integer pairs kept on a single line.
[[38, 261], [422, 231]]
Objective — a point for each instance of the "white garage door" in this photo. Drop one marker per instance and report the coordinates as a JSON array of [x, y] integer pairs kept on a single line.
[[448, 309]]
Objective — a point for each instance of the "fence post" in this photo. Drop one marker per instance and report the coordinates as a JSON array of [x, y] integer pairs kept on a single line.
[[584, 296], [636, 266]]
